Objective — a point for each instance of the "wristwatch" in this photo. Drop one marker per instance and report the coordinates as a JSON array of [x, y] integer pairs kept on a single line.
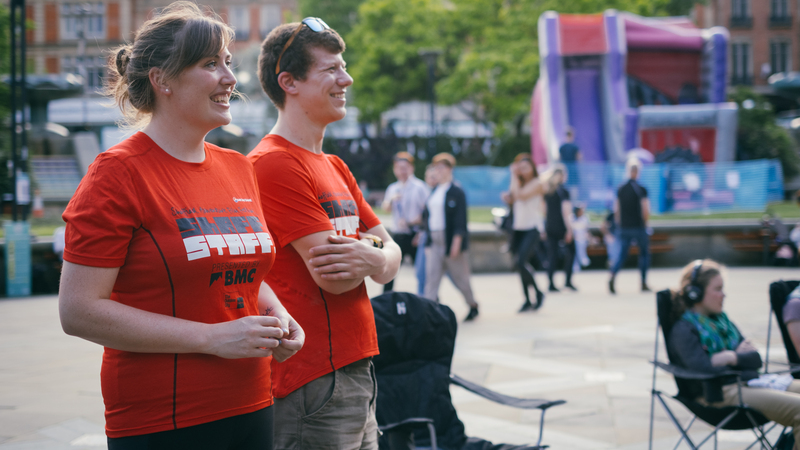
[[376, 241]]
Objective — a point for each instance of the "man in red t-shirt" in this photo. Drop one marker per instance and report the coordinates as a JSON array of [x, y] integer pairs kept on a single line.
[[328, 241]]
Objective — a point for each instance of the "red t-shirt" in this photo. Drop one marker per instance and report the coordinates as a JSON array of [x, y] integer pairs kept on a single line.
[[304, 193], [191, 242]]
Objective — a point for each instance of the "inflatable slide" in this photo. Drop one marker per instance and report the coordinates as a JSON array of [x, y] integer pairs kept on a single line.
[[625, 82]]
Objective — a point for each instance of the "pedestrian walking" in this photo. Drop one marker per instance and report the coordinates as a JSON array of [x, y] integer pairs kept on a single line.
[[166, 248], [631, 213], [329, 240], [525, 194], [558, 226], [405, 199], [422, 236], [447, 244], [610, 239], [580, 228]]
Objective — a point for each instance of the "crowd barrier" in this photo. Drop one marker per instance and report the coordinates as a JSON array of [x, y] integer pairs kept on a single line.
[[723, 186]]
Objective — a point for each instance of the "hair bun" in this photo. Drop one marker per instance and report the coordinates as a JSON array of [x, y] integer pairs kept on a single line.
[[123, 58]]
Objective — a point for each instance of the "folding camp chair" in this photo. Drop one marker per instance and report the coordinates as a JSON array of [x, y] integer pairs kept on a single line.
[[738, 417], [416, 338], [778, 291]]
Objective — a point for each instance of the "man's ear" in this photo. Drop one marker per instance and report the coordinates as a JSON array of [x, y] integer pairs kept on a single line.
[[159, 81], [287, 82]]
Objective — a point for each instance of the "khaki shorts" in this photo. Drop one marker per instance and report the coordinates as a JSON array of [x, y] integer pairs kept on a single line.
[[336, 411]]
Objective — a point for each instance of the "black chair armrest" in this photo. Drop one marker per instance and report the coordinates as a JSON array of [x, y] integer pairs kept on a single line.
[[688, 374], [400, 435], [792, 368], [412, 422], [522, 403]]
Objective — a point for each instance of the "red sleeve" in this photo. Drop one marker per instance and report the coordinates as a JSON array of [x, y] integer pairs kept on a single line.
[[102, 215], [366, 215], [288, 197]]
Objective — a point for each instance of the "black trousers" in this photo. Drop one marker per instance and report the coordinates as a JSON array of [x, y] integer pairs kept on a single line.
[[404, 240], [524, 244], [252, 431], [555, 247]]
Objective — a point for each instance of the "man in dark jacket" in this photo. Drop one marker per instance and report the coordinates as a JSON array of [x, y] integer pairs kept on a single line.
[[447, 244]]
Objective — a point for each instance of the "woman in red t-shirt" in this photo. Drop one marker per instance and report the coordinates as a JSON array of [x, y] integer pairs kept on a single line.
[[166, 253]]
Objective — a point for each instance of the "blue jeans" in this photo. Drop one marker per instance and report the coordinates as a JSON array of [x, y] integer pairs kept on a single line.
[[625, 237], [419, 264]]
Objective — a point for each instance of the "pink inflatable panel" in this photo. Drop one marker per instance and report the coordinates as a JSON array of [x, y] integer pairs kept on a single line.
[[582, 34], [662, 35]]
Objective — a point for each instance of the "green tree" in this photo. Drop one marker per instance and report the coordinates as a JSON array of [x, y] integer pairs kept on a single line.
[[490, 51], [341, 15], [758, 136], [5, 97], [5, 60], [388, 36]]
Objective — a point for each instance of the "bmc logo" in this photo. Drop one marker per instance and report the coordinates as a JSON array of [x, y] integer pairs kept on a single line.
[[232, 277]]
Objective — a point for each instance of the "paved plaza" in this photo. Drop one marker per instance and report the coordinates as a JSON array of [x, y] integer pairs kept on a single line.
[[589, 348]]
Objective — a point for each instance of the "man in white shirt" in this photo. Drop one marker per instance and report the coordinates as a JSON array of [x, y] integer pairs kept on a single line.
[[405, 199]]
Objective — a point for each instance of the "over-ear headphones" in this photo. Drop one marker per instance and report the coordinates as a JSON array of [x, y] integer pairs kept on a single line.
[[693, 292]]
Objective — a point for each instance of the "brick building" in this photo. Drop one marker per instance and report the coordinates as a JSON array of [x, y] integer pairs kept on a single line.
[[53, 43], [765, 37]]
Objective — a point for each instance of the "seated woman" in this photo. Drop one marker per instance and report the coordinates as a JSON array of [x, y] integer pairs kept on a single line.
[[704, 339], [791, 317]]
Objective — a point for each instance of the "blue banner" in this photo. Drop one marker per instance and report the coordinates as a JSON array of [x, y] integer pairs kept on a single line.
[[696, 187], [18, 258]]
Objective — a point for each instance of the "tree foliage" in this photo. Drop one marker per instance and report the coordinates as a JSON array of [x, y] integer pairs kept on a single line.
[[5, 59], [341, 15], [5, 97], [386, 41], [758, 136], [490, 54]]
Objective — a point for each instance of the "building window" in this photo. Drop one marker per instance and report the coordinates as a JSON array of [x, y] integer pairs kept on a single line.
[[779, 15], [240, 21], [780, 8], [779, 52], [88, 18], [740, 14], [740, 63], [95, 67], [270, 18], [740, 9]]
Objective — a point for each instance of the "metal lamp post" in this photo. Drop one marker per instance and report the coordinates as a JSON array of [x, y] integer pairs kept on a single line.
[[83, 10], [19, 141], [17, 233], [430, 55]]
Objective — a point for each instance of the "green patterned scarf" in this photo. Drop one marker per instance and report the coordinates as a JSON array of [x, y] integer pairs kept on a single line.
[[716, 333]]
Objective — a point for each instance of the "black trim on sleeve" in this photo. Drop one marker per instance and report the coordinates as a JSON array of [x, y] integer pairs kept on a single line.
[[330, 338], [175, 364], [175, 392]]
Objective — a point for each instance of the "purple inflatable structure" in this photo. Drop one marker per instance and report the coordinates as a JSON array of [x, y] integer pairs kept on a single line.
[[622, 81]]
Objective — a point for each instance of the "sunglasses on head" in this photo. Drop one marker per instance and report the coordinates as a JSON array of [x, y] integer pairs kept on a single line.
[[314, 23]]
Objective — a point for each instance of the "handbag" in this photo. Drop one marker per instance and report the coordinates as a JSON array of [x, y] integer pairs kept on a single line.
[[507, 223]]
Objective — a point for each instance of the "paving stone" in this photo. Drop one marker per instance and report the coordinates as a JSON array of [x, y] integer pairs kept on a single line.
[[589, 348]]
